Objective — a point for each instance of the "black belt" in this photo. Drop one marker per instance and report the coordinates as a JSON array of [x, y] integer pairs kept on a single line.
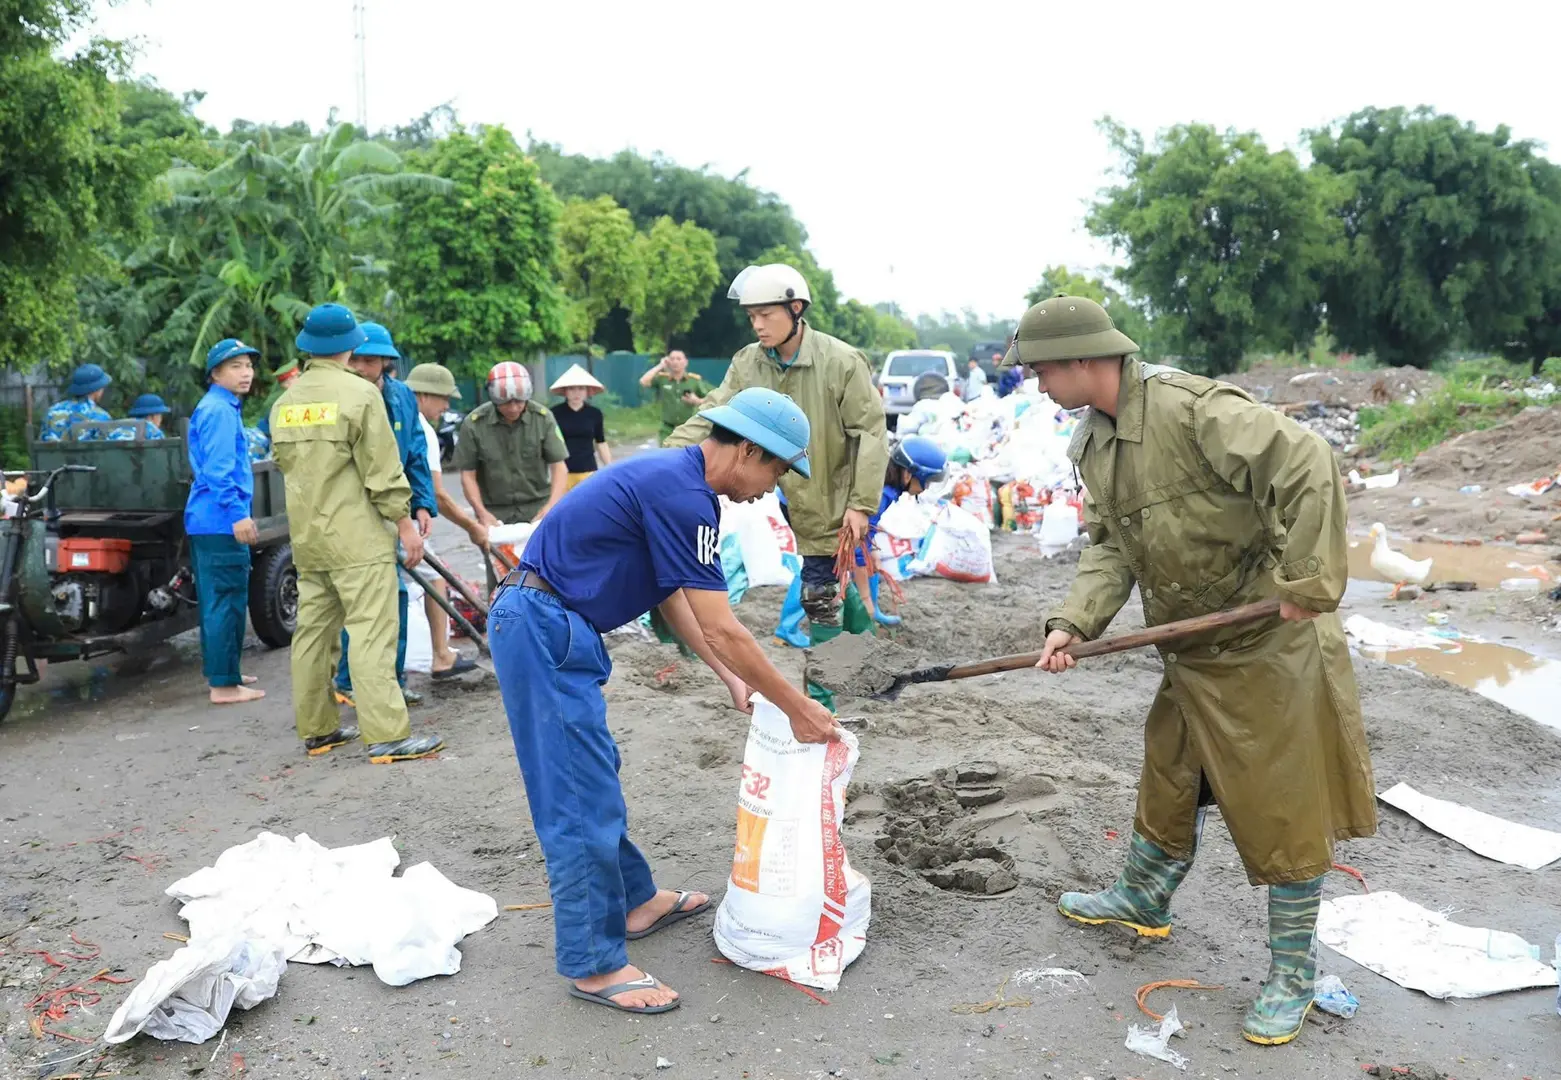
[[529, 579]]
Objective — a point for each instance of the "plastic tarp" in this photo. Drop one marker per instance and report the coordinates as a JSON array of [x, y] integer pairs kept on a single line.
[[1494, 837], [1423, 950], [188, 996]]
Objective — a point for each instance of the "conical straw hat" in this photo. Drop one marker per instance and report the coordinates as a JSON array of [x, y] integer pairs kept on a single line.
[[576, 376]]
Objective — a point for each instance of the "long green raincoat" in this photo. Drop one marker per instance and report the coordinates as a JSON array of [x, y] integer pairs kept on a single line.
[[849, 448], [1207, 500]]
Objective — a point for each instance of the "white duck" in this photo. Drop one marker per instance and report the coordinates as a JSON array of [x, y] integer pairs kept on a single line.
[[1395, 566]]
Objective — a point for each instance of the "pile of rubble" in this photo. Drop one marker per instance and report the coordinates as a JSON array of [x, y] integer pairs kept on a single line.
[[1338, 424]]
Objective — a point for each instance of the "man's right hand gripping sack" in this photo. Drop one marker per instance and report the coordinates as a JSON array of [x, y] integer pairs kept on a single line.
[[794, 907]]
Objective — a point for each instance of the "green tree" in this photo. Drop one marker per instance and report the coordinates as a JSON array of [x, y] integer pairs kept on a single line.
[[874, 332], [474, 272], [65, 178], [746, 221], [1225, 240], [681, 270], [1448, 232], [599, 261], [956, 333]]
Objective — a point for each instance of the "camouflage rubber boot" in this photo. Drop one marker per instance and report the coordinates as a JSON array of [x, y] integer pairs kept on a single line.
[[1279, 1012], [817, 635], [408, 749], [1141, 897]]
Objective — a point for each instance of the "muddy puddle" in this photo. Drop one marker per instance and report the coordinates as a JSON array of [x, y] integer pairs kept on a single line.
[[1487, 565], [1527, 684]]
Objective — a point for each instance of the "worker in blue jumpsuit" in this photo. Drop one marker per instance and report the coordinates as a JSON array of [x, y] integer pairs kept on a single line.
[[374, 360], [87, 386], [217, 519], [149, 407], [644, 533]]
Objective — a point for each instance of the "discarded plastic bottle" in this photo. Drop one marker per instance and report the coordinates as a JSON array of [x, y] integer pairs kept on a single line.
[[1470, 489], [1331, 996], [1520, 584]]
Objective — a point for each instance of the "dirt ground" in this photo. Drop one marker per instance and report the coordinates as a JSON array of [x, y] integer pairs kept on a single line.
[[1333, 386], [115, 780]]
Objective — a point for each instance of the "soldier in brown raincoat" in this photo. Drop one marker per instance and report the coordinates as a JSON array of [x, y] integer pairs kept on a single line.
[[1206, 500]]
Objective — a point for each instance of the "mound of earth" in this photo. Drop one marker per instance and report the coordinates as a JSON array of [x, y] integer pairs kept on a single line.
[[1524, 448], [1333, 386]]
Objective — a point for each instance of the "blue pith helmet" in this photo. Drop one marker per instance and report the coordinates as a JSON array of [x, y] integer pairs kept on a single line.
[[329, 330], [148, 405], [87, 379], [769, 420], [921, 457], [225, 350], [376, 342]]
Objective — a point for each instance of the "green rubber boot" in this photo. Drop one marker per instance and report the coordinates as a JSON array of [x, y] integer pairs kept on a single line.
[[1141, 897], [1279, 1012], [817, 635]]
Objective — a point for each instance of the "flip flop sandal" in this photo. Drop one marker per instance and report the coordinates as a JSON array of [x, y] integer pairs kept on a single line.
[[677, 914], [461, 666], [604, 996]]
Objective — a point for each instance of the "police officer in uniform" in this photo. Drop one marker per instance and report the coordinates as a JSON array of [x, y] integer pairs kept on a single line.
[[1206, 500], [510, 454], [345, 489]]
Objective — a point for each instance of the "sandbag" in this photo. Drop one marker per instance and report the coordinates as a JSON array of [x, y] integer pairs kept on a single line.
[[769, 547], [794, 906], [957, 547], [899, 534]]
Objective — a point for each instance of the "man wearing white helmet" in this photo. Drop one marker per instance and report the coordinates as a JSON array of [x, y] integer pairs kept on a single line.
[[510, 454], [833, 384]]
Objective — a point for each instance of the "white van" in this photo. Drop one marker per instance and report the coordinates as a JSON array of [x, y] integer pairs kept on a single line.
[[903, 367]]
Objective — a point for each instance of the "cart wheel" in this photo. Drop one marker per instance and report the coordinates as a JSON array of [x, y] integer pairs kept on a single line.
[[273, 595]]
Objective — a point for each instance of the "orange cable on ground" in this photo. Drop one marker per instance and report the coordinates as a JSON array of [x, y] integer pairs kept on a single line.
[[1354, 873], [1148, 988]]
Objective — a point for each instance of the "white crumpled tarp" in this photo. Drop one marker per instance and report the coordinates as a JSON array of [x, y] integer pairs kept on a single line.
[[188, 996], [306, 903], [1423, 950], [1494, 837]]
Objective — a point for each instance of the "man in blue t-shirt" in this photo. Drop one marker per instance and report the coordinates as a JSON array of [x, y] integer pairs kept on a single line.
[[645, 533]]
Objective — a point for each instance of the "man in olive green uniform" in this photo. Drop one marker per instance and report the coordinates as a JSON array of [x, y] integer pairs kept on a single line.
[[849, 447], [1206, 500], [676, 390], [509, 453], [332, 440]]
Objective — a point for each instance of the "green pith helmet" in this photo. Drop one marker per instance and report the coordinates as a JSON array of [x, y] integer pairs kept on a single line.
[[1066, 328]]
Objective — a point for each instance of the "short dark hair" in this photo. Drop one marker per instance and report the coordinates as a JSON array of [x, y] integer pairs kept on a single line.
[[728, 437]]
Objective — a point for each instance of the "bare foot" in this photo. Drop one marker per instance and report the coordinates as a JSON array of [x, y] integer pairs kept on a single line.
[[249, 680], [446, 661], [657, 906], [635, 999], [234, 695]]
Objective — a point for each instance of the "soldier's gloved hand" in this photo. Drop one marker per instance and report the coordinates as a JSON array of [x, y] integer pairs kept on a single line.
[[1052, 658]]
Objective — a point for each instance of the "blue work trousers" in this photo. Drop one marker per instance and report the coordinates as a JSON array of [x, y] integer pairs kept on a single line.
[[222, 585], [344, 673], [551, 666]]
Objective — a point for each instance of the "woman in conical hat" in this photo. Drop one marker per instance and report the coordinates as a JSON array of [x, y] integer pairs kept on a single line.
[[581, 425]]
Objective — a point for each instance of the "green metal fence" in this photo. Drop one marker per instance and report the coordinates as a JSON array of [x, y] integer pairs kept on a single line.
[[618, 372]]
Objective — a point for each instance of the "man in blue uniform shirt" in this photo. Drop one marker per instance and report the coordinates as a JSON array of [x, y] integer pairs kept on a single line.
[[373, 360], [644, 533], [87, 385]]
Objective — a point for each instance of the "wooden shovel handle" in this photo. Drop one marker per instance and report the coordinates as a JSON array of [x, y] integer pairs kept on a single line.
[[1155, 635]]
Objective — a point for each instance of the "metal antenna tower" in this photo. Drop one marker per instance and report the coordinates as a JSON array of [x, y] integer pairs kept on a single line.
[[360, 37]]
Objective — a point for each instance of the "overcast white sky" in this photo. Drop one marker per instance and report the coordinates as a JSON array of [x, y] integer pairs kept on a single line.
[[953, 142]]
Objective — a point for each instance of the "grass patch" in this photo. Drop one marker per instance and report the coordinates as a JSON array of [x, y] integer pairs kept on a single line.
[[626, 424], [1471, 398]]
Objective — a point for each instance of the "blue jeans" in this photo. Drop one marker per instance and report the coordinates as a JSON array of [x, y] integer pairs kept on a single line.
[[344, 674], [222, 585], [551, 666]]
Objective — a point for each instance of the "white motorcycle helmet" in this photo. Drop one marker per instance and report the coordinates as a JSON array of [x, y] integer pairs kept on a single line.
[[772, 284]]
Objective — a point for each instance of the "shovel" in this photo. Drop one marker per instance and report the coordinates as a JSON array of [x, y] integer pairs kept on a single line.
[[1155, 635]]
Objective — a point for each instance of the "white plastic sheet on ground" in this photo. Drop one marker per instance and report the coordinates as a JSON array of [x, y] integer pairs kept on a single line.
[[794, 906], [308, 904], [1425, 951], [1494, 837], [188, 996], [1375, 635]]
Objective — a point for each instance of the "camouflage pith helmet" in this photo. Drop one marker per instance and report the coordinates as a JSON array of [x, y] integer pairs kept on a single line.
[[1066, 328]]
